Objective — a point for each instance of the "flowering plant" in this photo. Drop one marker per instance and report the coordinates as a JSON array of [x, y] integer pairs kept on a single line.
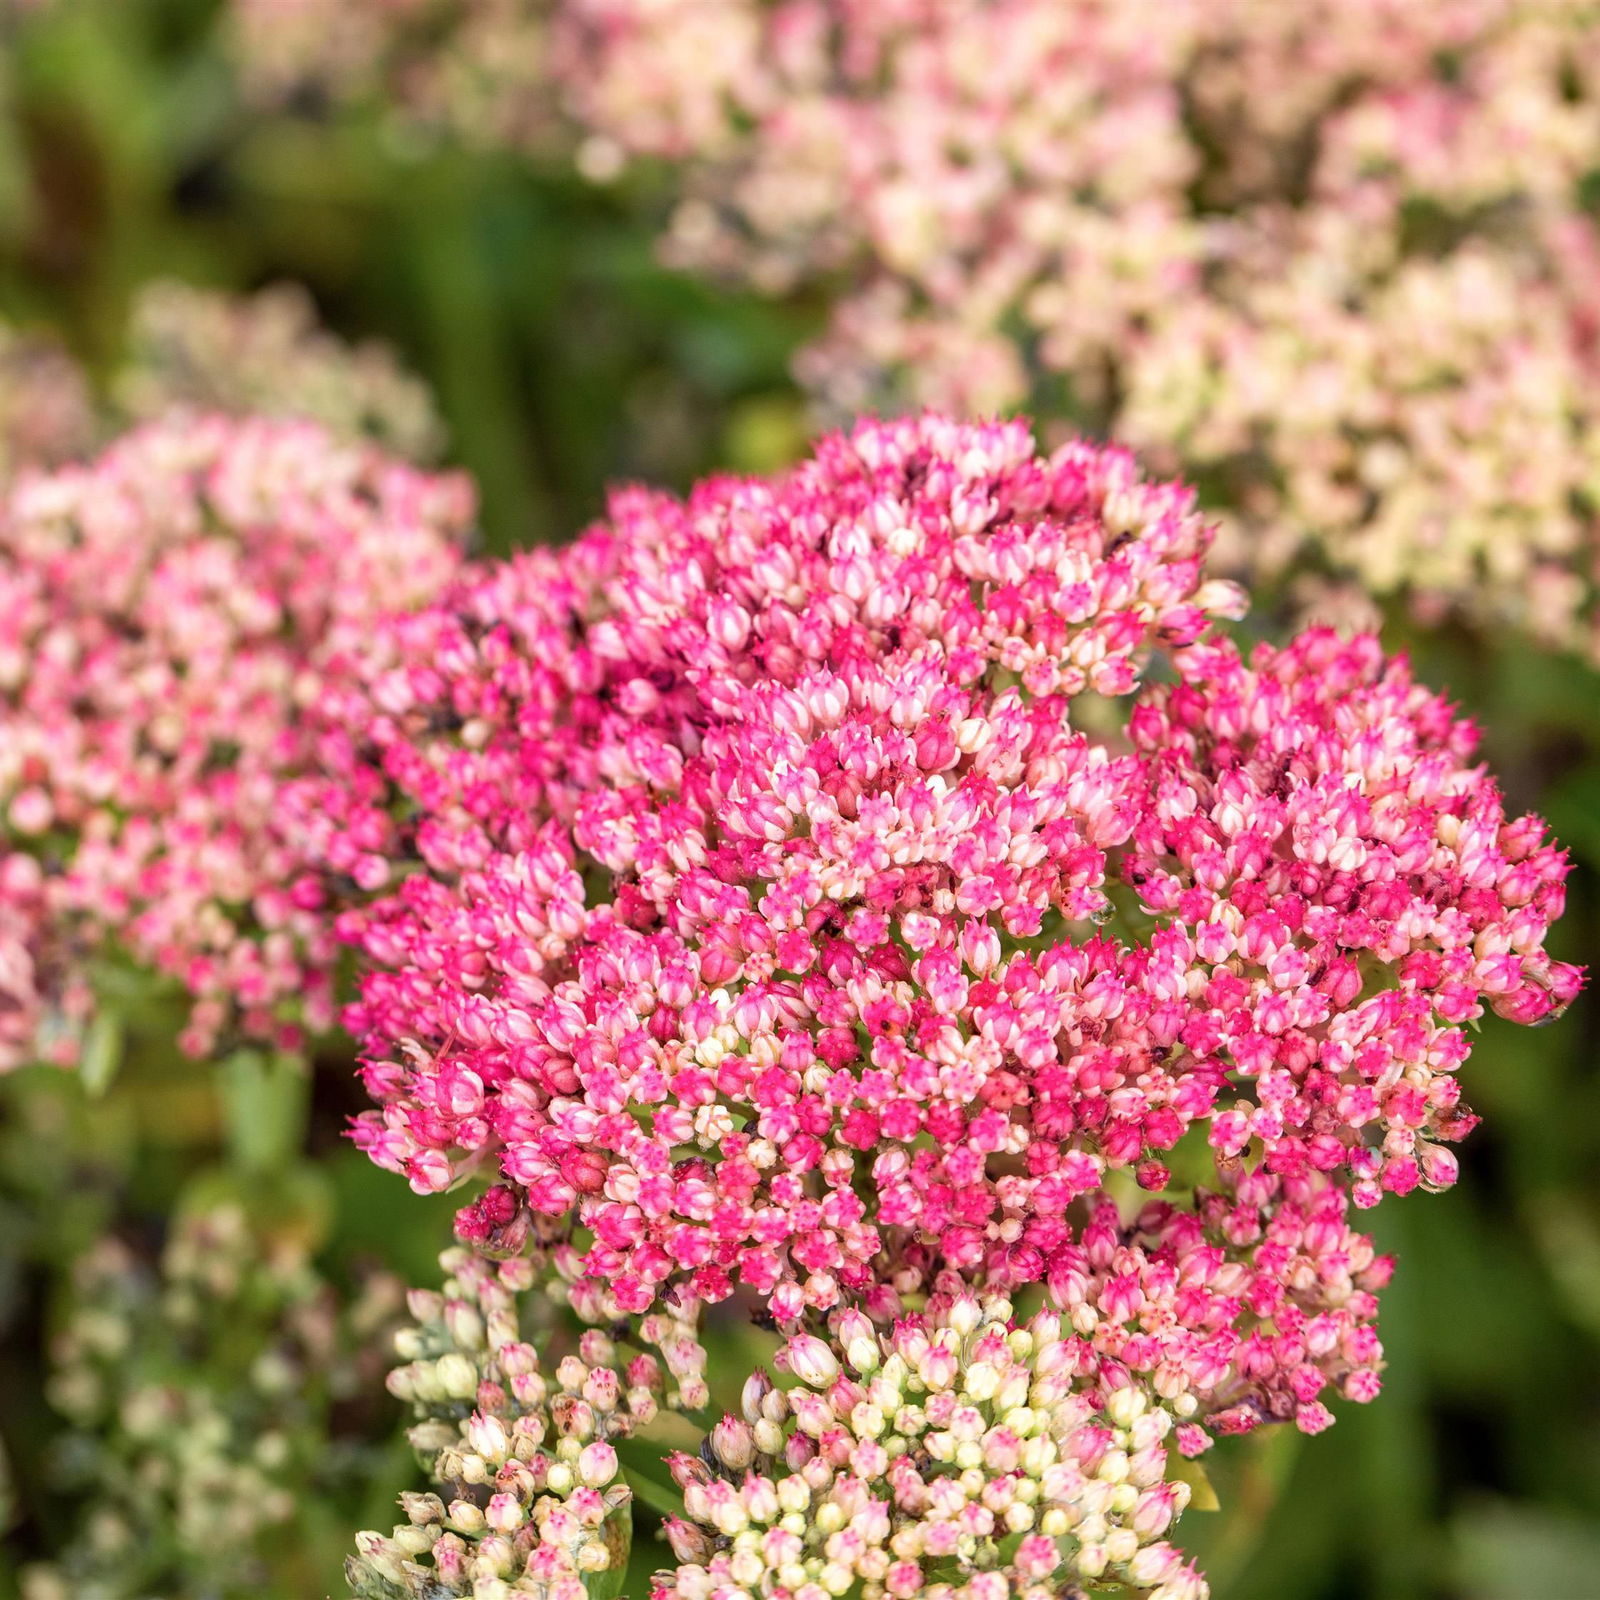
[[199, 1391], [167, 614], [910, 996], [809, 892], [1335, 257]]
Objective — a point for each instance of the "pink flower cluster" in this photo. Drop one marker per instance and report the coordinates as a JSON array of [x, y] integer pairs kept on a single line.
[[1335, 255], [169, 616], [266, 354], [1006, 1453], [769, 726], [1340, 893], [961, 1451], [836, 889], [1242, 1310], [798, 888]]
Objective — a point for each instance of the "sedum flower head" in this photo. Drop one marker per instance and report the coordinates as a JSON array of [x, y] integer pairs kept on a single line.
[[809, 741], [916, 1452], [197, 1392], [527, 1496], [1345, 893], [1336, 256], [265, 354], [168, 614], [809, 876], [963, 1454], [1349, 281]]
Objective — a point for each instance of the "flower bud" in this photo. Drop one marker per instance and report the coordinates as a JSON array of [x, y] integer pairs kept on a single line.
[[811, 1361], [732, 1443], [488, 1437], [597, 1464], [690, 1544], [465, 1517], [504, 1513], [456, 1375], [756, 1389]]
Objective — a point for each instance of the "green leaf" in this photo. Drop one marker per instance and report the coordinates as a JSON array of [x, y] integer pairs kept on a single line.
[[102, 1051], [265, 1101], [647, 1475], [1510, 1551], [1203, 1495]]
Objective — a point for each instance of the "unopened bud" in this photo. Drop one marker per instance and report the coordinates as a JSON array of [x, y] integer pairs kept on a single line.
[[488, 1437], [464, 1325], [690, 1545], [422, 1509], [756, 1389], [456, 1375], [504, 1513], [597, 1464], [732, 1443], [465, 1517], [811, 1361], [864, 1355]]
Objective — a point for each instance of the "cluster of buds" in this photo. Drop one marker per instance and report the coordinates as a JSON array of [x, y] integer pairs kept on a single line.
[[1162, 1332], [168, 614], [479, 69], [202, 351], [1350, 283], [934, 1452], [47, 414], [1339, 892], [968, 1454], [800, 891], [522, 1453], [198, 1395], [779, 855], [266, 354]]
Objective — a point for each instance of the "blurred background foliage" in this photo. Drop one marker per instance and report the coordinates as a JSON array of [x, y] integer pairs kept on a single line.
[[563, 357]]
